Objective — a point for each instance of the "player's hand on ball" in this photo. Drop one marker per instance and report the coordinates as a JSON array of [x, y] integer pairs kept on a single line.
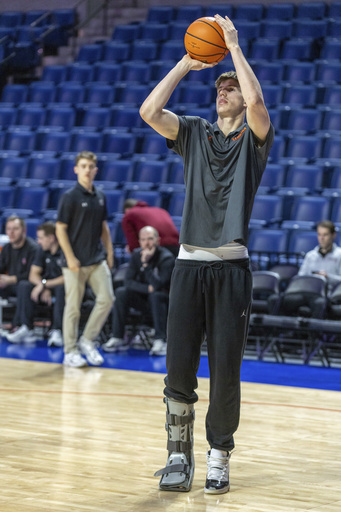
[[230, 31], [196, 65]]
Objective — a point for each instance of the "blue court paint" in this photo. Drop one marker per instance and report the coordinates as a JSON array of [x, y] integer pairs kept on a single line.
[[296, 375]]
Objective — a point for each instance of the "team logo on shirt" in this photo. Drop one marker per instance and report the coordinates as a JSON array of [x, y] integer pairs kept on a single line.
[[241, 133], [101, 201], [84, 205]]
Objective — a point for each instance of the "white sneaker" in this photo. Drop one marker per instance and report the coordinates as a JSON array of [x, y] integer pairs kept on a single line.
[[141, 341], [89, 350], [23, 333], [55, 338], [74, 359], [115, 345], [159, 348], [217, 479]]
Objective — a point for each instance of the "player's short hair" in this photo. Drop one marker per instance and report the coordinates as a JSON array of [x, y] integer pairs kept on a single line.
[[327, 224], [11, 218], [226, 76], [49, 228], [88, 155]]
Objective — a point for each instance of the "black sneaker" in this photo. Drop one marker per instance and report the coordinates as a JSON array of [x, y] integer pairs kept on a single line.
[[217, 480]]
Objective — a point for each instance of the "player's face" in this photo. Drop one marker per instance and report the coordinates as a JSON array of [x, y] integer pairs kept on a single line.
[[325, 238], [86, 171], [148, 240], [15, 232], [230, 101], [45, 241]]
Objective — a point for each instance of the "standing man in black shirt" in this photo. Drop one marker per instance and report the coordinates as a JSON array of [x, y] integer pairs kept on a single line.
[[84, 237], [211, 287], [45, 285], [16, 259]]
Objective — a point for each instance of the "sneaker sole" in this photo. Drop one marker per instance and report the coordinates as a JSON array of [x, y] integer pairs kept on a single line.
[[217, 491]]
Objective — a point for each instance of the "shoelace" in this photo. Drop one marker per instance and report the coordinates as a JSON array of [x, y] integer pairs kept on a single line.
[[217, 468]]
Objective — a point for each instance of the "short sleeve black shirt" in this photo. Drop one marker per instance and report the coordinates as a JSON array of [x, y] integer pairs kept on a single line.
[[84, 213], [222, 175], [51, 264], [17, 262]]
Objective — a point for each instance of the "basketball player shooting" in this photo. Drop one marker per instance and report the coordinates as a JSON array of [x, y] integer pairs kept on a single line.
[[211, 286]]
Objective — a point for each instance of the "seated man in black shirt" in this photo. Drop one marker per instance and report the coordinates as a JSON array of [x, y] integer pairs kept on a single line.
[[16, 258], [146, 289], [45, 285]]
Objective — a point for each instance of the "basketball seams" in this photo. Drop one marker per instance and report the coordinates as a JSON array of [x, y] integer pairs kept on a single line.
[[210, 24], [205, 41]]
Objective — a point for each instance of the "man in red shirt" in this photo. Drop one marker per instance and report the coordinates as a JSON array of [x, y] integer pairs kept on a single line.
[[138, 214]]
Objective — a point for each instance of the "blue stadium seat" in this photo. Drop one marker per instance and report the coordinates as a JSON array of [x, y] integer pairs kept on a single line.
[[42, 167], [6, 196], [295, 49], [11, 19], [100, 94], [301, 241], [281, 11], [308, 176], [115, 141], [332, 147], [85, 140], [278, 148], [332, 120], [251, 12], [222, 9], [335, 178], [8, 116], [266, 49], [56, 189], [172, 50], [125, 116], [307, 146], [90, 53], [152, 197], [54, 73], [79, 72], [329, 72], [134, 94], [276, 29], [31, 116], [136, 71], [310, 208], [40, 17], [13, 167], [144, 50], [116, 231], [267, 211], [332, 96], [335, 215], [31, 198], [334, 9], [176, 171], [312, 10], [200, 94], [272, 94], [176, 204], [20, 139], [314, 29], [65, 18], [54, 140], [70, 92], [334, 27], [269, 243], [154, 31], [154, 143], [189, 13], [32, 225], [273, 176], [59, 115], [303, 121], [42, 92], [160, 13], [177, 31], [299, 72], [115, 200], [271, 72], [248, 30], [126, 33], [331, 49], [151, 171], [118, 171], [206, 76], [28, 33], [14, 93], [116, 51], [96, 117], [109, 72]]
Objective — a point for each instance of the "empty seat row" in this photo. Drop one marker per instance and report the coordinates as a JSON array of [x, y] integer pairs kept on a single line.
[[61, 17]]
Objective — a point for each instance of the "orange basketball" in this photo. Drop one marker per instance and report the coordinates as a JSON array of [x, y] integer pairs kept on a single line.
[[204, 40]]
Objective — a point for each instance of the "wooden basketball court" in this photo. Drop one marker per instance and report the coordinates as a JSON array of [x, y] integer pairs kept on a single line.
[[91, 439]]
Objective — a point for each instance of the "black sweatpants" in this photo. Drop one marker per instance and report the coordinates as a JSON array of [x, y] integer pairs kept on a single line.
[[212, 298]]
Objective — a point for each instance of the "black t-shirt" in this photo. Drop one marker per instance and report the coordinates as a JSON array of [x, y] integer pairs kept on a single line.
[[51, 264], [84, 213], [17, 262], [222, 175]]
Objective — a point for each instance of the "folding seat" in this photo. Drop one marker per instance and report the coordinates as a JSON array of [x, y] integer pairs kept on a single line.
[[154, 172], [160, 13], [273, 176], [332, 120], [54, 140], [154, 143], [200, 94], [272, 94], [90, 53], [274, 114], [264, 284], [42, 92], [222, 9], [118, 171], [313, 29], [295, 49], [299, 72], [172, 50], [31, 116], [8, 116], [37, 17], [329, 72], [65, 18], [335, 215], [266, 49], [310, 208], [335, 178], [269, 72], [332, 147], [116, 51], [176, 171], [331, 49], [248, 30], [332, 95], [11, 19], [146, 51], [14, 93], [176, 204], [306, 176], [6, 196], [14, 167], [267, 211], [126, 33], [252, 12], [31, 198], [278, 148], [115, 141], [24, 56], [28, 33], [6, 33], [22, 140], [285, 271], [56, 189], [312, 10], [115, 200], [305, 296], [307, 146], [84, 140], [334, 9], [177, 31], [281, 11], [70, 92], [303, 121], [79, 72], [154, 31], [134, 94], [96, 118], [189, 12], [125, 116], [276, 29], [334, 27], [135, 71], [43, 167], [58, 115], [54, 73], [204, 112], [206, 76], [100, 94], [266, 245]]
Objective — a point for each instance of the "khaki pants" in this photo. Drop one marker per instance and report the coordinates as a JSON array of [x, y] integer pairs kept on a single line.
[[99, 278]]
